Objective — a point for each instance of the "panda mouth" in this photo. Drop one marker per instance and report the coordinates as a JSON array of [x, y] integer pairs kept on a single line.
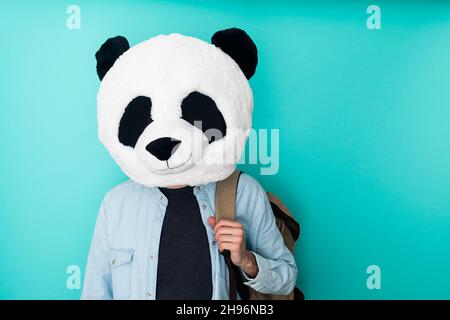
[[175, 167]]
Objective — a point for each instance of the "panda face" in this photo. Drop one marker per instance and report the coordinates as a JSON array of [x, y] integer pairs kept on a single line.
[[173, 110]]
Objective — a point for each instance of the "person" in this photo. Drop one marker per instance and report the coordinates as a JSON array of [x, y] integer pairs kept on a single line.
[[175, 112]]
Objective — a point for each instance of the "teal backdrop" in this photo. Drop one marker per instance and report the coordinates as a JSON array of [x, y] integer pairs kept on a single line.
[[363, 118]]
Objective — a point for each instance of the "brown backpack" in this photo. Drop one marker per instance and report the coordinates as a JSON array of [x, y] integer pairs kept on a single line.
[[289, 228]]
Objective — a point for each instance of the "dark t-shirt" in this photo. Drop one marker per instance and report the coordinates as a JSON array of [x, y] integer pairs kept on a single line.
[[184, 260]]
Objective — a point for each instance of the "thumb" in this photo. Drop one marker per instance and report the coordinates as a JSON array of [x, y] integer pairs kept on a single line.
[[212, 221]]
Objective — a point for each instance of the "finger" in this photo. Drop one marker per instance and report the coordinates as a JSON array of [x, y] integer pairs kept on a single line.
[[226, 223], [212, 221], [229, 231], [228, 238], [232, 247], [229, 223]]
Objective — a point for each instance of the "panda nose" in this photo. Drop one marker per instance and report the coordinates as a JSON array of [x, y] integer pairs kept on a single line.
[[163, 148]]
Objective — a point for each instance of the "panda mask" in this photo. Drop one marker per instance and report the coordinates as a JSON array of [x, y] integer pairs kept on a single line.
[[175, 110]]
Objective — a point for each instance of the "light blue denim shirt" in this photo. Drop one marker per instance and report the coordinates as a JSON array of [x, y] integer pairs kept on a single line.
[[123, 257]]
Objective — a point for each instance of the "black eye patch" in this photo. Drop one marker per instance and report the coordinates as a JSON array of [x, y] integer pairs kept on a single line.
[[134, 120], [201, 111]]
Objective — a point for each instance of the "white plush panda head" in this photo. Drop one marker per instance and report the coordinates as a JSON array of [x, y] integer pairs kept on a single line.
[[175, 110]]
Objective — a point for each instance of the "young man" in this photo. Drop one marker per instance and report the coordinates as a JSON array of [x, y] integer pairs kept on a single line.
[[156, 236]]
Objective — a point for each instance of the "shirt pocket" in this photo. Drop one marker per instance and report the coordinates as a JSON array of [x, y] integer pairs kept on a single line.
[[121, 264]]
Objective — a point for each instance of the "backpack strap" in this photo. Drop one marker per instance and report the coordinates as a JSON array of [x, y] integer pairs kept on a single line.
[[226, 191]]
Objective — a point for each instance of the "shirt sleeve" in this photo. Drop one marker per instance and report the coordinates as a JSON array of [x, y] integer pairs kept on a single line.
[[97, 282], [277, 270]]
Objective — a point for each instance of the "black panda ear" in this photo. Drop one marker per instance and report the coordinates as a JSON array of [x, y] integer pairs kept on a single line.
[[239, 46], [108, 54]]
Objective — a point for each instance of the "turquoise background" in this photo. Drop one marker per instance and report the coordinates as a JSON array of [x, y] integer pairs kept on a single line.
[[364, 119]]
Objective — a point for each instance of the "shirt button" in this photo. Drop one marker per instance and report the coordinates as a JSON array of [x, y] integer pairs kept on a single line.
[[151, 257], [161, 198], [203, 206], [214, 242], [149, 294], [113, 262]]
